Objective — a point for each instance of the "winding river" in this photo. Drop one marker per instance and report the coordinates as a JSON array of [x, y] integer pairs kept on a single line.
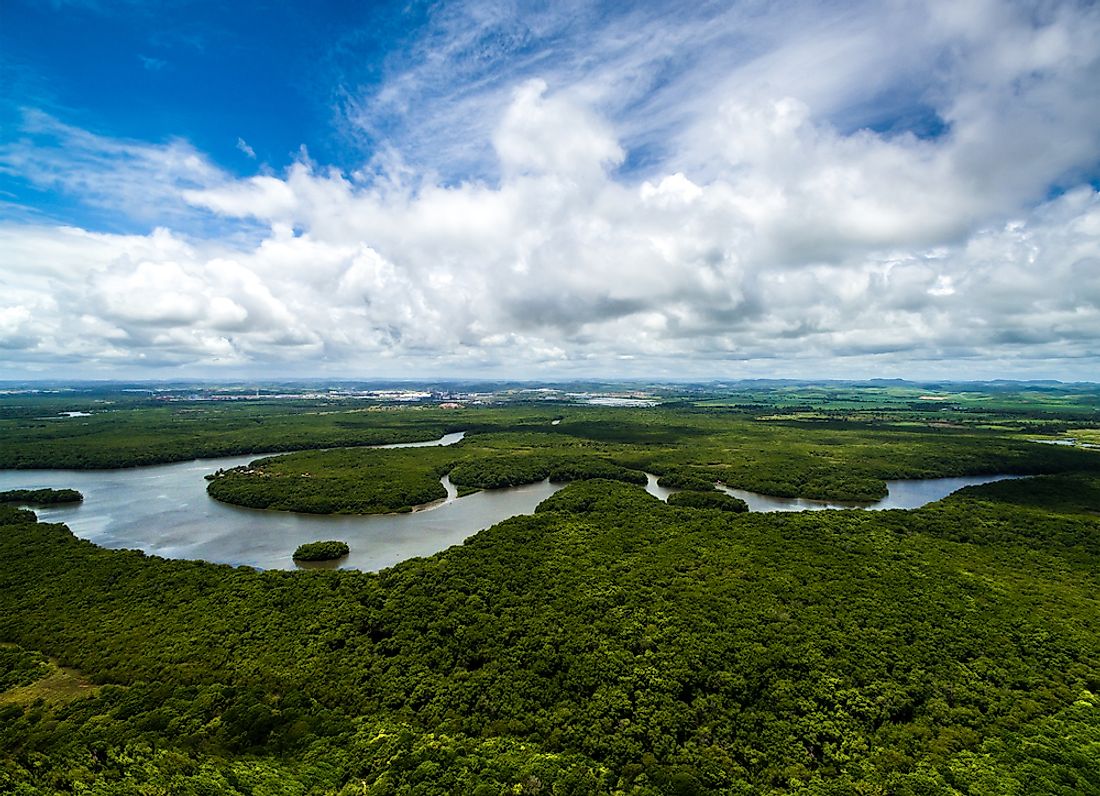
[[165, 511]]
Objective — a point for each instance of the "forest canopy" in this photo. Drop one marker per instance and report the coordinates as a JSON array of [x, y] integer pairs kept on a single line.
[[610, 643]]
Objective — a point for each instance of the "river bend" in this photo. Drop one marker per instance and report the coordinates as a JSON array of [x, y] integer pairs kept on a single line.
[[165, 511]]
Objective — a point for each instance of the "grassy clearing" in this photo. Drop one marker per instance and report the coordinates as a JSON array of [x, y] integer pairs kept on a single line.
[[1089, 435], [57, 685]]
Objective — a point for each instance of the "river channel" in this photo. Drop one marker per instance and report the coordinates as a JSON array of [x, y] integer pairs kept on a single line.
[[165, 511]]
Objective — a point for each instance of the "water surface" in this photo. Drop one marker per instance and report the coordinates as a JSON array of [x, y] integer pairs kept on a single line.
[[165, 511], [909, 493], [1069, 442]]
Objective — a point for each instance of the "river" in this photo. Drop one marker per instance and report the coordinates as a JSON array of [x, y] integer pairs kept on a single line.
[[910, 493], [165, 511]]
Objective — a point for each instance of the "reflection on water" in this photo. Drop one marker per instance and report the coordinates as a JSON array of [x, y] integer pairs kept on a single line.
[[165, 511], [910, 493], [446, 439], [659, 492], [1069, 442], [904, 494]]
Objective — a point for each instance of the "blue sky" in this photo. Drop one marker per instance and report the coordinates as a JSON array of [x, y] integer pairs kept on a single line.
[[268, 74], [249, 84], [810, 189]]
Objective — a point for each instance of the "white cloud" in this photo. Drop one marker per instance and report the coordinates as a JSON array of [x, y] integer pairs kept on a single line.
[[769, 239], [140, 179], [542, 135]]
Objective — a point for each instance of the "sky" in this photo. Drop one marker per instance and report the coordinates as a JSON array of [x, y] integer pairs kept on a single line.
[[549, 190]]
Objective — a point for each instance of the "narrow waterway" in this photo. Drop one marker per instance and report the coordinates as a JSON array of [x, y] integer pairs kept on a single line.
[[904, 494]]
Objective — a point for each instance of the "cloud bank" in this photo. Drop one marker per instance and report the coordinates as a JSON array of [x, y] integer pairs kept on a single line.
[[769, 191]]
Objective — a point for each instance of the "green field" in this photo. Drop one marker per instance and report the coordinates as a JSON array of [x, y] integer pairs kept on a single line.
[[125, 429]]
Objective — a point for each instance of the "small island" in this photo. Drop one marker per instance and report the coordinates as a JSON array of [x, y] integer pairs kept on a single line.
[[41, 497], [321, 551]]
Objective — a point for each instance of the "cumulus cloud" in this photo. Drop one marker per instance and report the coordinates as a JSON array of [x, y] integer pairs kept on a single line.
[[550, 135], [771, 238]]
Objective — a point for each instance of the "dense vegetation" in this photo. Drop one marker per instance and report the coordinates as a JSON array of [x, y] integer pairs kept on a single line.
[[321, 551], [132, 436], [20, 667], [772, 430], [707, 500], [9, 515], [41, 497], [492, 472], [350, 481], [697, 481], [688, 449], [369, 481], [609, 643]]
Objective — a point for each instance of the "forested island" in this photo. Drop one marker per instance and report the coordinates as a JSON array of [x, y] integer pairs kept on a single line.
[[321, 551], [41, 497], [610, 643]]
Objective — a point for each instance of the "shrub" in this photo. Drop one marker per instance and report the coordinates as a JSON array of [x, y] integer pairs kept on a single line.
[[321, 551]]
